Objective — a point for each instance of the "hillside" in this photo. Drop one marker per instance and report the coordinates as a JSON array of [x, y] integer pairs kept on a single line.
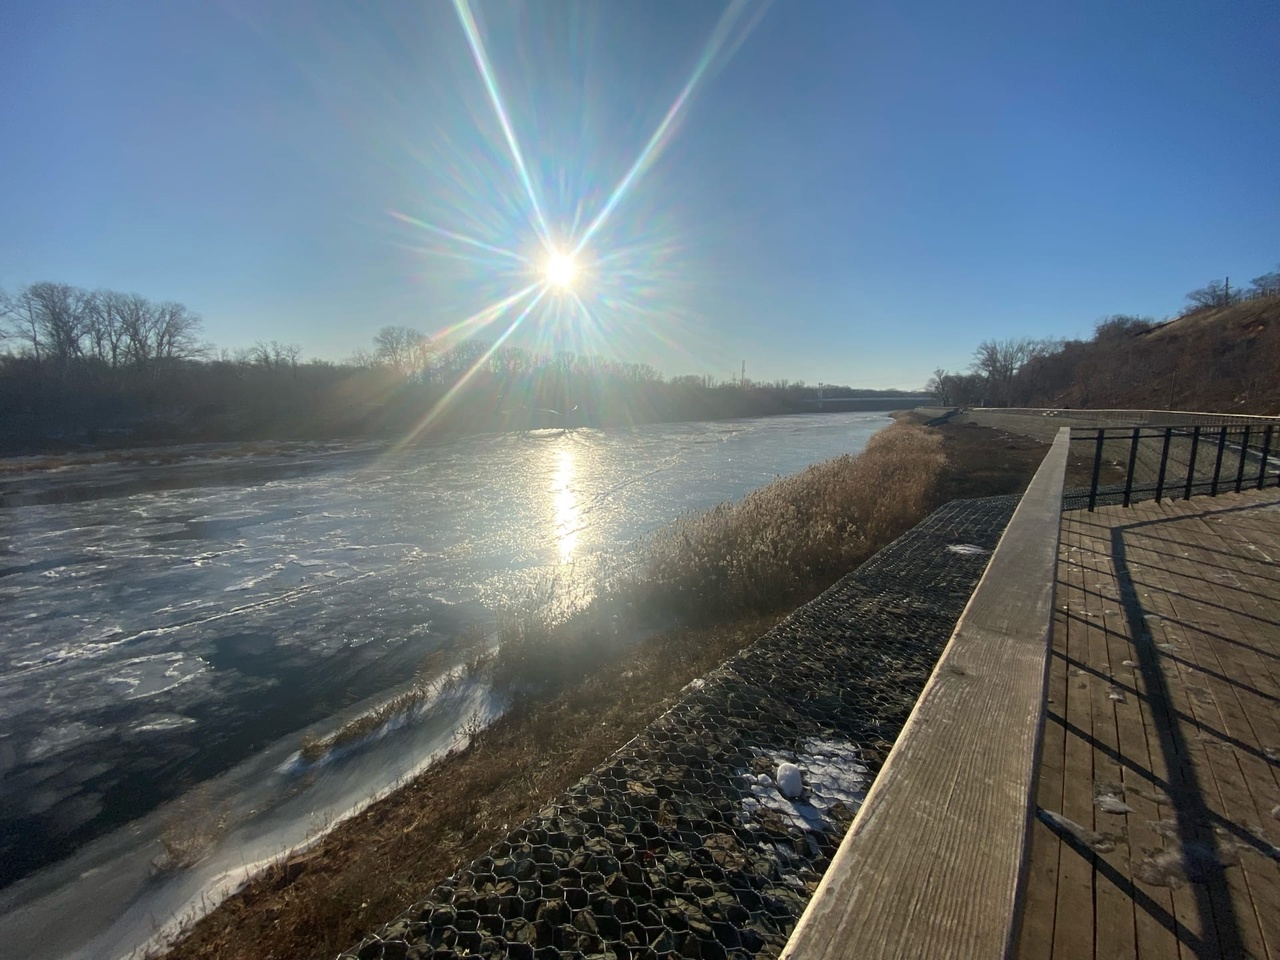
[[1223, 359], [1219, 359]]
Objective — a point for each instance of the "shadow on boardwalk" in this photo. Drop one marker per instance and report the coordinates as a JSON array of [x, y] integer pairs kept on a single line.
[[1159, 786]]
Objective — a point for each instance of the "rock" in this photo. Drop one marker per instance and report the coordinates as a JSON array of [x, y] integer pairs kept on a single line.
[[616, 884], [525, 869], [522, 931], [554, 912], [789, 780]]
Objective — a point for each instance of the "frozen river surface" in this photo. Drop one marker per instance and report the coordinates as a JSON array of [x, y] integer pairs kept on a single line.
[[149, 642]]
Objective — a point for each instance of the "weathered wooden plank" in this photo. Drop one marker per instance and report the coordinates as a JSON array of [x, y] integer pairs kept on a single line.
[[956, 787], [1166, 765], [1036, 935], [1075, 864], [1187, 599], [1236, 933], [1196, 914], [1075, 936], [1113, 907], [1231, 713]]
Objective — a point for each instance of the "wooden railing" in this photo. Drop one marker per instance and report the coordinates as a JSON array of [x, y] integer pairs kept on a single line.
[[933, 863]]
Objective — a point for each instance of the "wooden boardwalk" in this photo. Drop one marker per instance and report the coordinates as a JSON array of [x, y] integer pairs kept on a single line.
[[1158, 796]]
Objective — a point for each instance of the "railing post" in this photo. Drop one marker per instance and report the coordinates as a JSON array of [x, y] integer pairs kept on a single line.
[[1217, 463], [1164, 462], [1191, 464], [1097, 469], [1133, 458], [1266, 452], [1244, 451]]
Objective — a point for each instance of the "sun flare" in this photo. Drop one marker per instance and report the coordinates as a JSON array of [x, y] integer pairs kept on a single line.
[[560, 271]]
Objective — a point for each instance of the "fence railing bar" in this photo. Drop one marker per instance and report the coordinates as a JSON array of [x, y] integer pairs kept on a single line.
[[1097, 469], [1164, 462], [1191, 462], [1266, 452], [1217, 463], [1243, 440], [1133, 459], [1244, 453]]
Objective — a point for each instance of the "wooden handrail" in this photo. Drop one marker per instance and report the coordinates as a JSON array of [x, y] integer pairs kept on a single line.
[[932, 866]]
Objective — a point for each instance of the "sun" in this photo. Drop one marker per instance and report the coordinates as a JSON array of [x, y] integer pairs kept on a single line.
[[560, 271]]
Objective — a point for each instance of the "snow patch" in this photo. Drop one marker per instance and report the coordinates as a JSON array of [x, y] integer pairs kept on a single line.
[[829, 772]]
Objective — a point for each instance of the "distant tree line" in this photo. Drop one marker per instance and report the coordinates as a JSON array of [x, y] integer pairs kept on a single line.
[[1222, 354], [99, 367]]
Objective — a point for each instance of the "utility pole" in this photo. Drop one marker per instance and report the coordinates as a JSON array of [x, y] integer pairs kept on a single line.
[[742, 379]]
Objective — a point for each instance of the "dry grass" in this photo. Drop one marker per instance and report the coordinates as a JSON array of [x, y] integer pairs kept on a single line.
[[761, 553], [434, 678], [596, 687]]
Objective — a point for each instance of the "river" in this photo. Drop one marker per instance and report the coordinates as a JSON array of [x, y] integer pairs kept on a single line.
[[162, 652]]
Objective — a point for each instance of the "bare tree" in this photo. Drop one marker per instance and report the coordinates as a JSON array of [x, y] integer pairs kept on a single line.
[[53, 319], [362, 360], [1267, 285], [404, 349], [176, 332], [1121, 326], [998, 362], [7, 314], [1214, 294], [275, 356], [937, 386], [133, 314], [107, 327]]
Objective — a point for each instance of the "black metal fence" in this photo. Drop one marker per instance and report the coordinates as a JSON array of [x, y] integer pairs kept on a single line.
[[1178, 462]]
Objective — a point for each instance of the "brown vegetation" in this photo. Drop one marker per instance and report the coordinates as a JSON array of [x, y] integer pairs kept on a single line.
[[760, 553], [371, 867], [1223, 359]]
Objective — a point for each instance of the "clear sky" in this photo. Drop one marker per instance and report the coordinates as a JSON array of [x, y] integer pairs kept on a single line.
[[853, 192]]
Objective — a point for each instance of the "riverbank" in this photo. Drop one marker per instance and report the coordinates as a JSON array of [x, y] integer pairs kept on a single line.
[[370, 867]]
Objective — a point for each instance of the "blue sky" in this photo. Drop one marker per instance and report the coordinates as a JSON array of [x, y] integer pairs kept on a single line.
[[852, 192]]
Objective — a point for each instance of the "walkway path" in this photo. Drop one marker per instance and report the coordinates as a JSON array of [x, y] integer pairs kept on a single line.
[[1158, 805]]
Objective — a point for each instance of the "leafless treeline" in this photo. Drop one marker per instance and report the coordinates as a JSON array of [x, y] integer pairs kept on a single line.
[[1223, 354], [101, 367], [66, 326]]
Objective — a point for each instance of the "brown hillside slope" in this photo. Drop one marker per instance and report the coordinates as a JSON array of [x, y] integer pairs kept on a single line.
[[1224, 360]]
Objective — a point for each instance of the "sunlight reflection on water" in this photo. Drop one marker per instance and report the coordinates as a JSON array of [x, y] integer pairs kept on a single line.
[[564, 503]]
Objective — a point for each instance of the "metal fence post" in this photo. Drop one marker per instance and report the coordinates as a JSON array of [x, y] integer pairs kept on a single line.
[[1191, 464], [1266, 452], [1097, 469], [1217, 463], [1244, 452], [1164, 462], [1133, 458]]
